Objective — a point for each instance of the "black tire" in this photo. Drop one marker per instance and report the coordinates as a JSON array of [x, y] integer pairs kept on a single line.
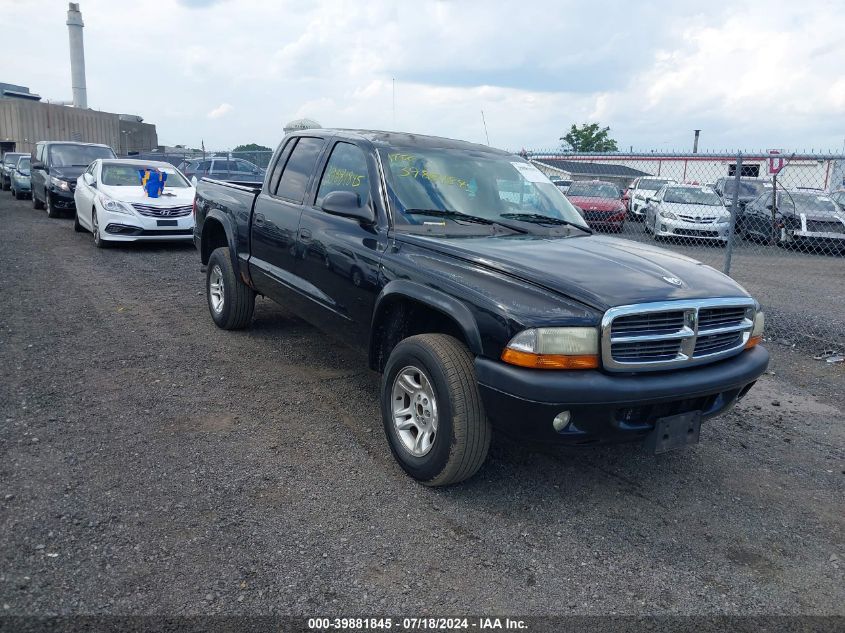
[[36, 203], [76, 225], [52, 212], [99, 242], [463, 435], [238, 299], [357, 278]]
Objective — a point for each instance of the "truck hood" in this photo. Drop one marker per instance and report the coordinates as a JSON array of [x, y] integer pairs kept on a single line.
[[599, 271]]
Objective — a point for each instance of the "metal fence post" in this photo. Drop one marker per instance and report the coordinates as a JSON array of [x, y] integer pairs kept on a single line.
[[729, 250]]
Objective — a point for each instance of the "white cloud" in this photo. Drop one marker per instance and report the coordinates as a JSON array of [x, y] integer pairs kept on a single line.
[[220, 111], [747, 78]]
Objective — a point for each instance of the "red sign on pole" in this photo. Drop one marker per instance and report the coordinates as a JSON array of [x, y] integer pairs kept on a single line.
[[775, 161]]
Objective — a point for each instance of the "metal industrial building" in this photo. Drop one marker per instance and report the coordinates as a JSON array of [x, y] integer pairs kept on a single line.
[[24, 122]]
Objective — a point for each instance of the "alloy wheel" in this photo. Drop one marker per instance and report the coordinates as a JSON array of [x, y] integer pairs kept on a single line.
[[414, 410]]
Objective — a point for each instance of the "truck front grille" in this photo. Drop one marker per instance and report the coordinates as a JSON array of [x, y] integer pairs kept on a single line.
[[668, 334]]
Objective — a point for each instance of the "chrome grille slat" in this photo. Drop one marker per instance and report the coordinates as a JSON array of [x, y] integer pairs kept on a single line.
[[151, 211], [663, 335]]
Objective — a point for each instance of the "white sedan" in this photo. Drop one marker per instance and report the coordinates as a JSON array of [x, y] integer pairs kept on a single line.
[[111, 204]]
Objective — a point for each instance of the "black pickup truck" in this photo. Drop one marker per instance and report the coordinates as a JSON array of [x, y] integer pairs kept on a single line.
[[472, 284]]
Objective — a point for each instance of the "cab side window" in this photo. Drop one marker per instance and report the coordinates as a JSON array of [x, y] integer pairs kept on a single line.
[[298, 170], [346, 170]]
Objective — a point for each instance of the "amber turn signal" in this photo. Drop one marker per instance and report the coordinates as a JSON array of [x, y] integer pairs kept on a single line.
[[753, 342], [549, 361]]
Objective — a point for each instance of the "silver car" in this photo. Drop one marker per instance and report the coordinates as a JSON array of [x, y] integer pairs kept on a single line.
[[687, 211]]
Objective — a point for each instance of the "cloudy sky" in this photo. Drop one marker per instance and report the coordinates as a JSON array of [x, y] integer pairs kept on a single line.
[[751, 75]]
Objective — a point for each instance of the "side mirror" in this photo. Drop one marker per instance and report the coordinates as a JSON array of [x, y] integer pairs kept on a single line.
[[37, 164], [89, 179], [347, 204]]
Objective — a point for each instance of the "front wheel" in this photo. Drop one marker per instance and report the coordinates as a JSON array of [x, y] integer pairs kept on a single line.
[[230, 301], [36, 203], [76, 225], [432, 411], [52, 212], [99, 242]]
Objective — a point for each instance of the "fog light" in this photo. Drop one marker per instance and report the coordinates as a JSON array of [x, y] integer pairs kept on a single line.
[[561, 420]]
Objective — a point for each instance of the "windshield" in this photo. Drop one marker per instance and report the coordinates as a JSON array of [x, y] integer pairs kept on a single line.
[[11, 159], [804, 203], [129, 176], [592, 191], [476, 183], [653, 185], [77, 155], [23, 165], [747, 188], [690, 195]]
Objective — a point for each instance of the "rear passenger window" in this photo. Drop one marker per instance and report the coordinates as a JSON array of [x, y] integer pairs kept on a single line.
[[346, 170], [298, 170], [273, 183]]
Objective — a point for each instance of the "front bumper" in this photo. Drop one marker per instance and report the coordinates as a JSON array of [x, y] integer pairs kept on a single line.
[[120, 227], [697, 230], [22, 184], [60, 199], [609, 407]]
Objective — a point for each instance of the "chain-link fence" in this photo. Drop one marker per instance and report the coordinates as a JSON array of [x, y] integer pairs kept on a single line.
[[773, 222]]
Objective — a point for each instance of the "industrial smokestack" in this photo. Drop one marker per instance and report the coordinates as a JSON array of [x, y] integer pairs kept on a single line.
[[77, 55], [695, 142]]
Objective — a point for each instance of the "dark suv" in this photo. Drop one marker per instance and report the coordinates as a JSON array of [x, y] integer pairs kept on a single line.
[[55, 167], [222, 168]]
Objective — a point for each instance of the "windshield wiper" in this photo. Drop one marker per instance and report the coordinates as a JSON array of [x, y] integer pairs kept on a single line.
[[458, 215], [539, 218]]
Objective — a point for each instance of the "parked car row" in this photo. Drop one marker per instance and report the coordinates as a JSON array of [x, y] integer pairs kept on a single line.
[[103, 193], [800, 216]]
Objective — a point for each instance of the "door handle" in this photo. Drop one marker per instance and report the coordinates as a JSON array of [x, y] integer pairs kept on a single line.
[[305, 234]]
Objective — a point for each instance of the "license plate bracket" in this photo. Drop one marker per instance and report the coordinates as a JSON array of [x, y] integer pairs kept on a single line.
[[674, 432], [167, 223]]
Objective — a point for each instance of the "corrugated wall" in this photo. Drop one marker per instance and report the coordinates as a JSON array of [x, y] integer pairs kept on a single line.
[[27, 122]]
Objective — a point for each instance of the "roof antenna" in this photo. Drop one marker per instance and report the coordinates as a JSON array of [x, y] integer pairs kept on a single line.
[[485, 128]]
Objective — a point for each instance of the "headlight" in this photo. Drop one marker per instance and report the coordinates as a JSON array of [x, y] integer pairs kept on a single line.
[[757, 331], [723, 219], [668, 215], [113, 206], [58, 183], [554, 348]]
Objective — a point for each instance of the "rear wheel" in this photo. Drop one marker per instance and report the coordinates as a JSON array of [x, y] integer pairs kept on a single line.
[[230, 301], [76, 225], [432, 411], [36, 203]]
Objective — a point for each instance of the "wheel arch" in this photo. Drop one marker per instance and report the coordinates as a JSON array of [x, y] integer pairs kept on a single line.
[[404, 308], [216, 233]]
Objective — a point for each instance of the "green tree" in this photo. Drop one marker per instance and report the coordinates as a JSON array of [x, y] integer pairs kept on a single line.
[[589, 137], [254, 153]]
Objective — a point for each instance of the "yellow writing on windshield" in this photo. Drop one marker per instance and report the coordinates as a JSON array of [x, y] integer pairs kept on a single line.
[[443, 179], [401, 158]]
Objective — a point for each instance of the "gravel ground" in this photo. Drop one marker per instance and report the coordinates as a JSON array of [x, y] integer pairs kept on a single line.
[[153, 464]]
